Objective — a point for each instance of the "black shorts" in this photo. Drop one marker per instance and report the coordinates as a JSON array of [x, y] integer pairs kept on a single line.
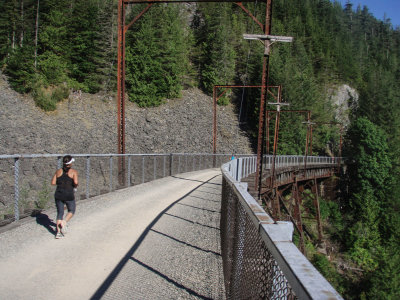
[[71, 206]]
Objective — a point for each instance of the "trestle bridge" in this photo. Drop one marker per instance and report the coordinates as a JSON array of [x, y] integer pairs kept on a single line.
[[184, 226]]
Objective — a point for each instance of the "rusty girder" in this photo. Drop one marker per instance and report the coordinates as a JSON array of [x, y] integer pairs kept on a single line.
[[122, 29]]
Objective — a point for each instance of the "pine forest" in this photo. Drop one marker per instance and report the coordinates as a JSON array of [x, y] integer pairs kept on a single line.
[[49, 48]]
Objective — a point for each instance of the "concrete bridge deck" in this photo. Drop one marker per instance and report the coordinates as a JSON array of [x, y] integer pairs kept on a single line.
[[158, 240]]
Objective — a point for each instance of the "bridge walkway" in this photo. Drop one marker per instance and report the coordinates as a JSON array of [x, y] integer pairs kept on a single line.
[[158, 240]]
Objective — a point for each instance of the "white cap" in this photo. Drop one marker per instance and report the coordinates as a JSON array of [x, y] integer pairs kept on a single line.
[[70, 162]]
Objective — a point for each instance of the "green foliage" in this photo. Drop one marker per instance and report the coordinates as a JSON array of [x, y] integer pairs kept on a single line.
[[366, 146], [223, 101], [328, 271], [53, 68], [59, 93], [365, 246], [216, 63], [156, 56], [43, 99], [85, 52], [73, 45], [330, 210], [24, 198], [43, 197], [384, 283], [20, 69], [46, 97], [367, 175]]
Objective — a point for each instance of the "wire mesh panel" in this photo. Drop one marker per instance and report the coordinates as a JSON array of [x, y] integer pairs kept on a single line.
[[250, 270], [25, 179], [259, 259], [228, 203]]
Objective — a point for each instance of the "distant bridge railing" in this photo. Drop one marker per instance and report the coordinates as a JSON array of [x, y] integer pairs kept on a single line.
[[244, 166], [25, 178], [259, 259]]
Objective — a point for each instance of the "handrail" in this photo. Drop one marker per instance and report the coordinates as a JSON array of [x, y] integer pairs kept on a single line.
[[145, 167], [276, 267], [244, 166]]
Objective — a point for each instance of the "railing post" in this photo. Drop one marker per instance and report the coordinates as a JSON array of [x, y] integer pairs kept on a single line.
[[111, 177], [163, 166], [237, 169], [87, 177], [142, 169], [129, 171], [170, 164], [155, 167], [16, 188], [58, 162]]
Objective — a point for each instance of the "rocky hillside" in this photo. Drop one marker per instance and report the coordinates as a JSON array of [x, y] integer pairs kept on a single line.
[[88, 124]]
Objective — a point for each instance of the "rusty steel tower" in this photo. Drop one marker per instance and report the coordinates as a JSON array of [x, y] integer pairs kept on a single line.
[[266, 38]]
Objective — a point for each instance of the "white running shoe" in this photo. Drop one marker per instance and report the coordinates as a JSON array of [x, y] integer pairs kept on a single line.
[[58, 235]]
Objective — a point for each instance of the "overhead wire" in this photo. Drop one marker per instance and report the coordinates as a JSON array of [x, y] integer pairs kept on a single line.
[[244, 81]]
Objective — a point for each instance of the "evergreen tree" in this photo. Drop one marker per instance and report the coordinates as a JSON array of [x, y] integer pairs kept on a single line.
[[368, 175], [84, 53], [156, 56], [213, 37]]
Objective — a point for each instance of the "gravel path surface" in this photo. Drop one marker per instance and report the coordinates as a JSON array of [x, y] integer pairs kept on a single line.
[[158, 240]]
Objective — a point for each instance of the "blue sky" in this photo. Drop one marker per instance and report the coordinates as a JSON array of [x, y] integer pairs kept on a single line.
[[379, 7]]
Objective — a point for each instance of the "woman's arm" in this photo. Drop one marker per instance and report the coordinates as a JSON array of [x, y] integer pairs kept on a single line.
[[54, 179], [75, 178]]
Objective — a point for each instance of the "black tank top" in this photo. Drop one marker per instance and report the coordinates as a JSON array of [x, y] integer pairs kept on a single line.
[[65, 187]]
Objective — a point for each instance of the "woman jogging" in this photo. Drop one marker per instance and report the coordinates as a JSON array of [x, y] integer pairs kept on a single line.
[[66, 180]]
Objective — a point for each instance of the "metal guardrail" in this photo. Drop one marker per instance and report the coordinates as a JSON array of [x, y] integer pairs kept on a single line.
[[98, 173], [244, 166], [259, 259]]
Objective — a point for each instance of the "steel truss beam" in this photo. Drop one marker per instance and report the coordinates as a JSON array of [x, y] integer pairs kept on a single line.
[[297, 214], [276, 137]]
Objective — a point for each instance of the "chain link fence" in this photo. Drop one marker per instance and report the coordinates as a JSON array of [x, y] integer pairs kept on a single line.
[[25, 178], [259, 259]]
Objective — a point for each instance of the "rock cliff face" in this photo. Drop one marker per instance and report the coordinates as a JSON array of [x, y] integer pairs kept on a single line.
[[87, 123], [345, 99]]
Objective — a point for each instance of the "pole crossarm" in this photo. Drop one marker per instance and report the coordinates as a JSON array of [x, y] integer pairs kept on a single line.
[[268, 40], [289, 110], [309, 123], [278, 105], [272, 38]]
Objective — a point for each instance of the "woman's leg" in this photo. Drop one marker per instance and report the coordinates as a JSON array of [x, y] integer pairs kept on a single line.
[[60, 214], [59, 225], [71, 206]]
